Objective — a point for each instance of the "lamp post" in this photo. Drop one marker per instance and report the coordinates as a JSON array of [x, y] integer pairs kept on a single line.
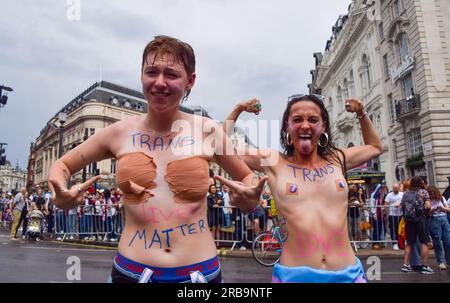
[[4, 97], [62, 117], [83, 176]]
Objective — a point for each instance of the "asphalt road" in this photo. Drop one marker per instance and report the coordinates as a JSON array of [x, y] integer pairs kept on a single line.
[[49, 262]]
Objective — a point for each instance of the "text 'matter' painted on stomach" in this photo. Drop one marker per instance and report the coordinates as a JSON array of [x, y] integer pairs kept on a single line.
[[184, 230]]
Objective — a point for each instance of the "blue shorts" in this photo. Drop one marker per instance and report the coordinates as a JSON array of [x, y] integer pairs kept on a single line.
[[126, 270], [303, 274]]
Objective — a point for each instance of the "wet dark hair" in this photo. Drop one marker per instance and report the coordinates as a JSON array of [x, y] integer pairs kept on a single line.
[[330, 151]]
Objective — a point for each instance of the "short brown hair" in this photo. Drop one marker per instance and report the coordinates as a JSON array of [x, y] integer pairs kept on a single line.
[[165, 45], [181, 51]]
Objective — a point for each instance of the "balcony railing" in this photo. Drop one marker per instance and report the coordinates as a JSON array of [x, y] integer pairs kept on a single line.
[[407, 107]]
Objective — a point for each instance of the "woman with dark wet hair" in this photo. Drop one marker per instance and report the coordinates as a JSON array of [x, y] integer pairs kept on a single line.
[[310, 189]]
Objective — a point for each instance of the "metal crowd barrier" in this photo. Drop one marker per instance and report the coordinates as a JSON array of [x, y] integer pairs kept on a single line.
[[235, 227], [374, 226], [364, 230], [230, 222], [88, 222]]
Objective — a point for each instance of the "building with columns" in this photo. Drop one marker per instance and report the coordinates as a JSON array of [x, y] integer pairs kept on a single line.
[[350, 67], [398, 64], [11, 178], [415, 51]]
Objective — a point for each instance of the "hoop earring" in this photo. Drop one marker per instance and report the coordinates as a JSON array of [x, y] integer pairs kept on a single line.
[[326, 140], [288, 140]]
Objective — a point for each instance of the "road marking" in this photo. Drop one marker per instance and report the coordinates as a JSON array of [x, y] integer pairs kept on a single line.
[[59, 249], [90, 245]]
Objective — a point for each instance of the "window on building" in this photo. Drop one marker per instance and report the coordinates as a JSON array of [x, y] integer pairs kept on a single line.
[[394, 149], [113, 166], [367, 70], [403, 47], [386, 65], [339, 99], [378, 123], [345, 91], [380, 29], [397, 8], [330, 107], [408, 87], [351, 85], [415, 141], [391, 108], [92, 130]]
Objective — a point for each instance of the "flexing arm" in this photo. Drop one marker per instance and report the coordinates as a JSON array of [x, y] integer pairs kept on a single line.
[[372, 147], [254, 158], [246, 189], [96, 148]]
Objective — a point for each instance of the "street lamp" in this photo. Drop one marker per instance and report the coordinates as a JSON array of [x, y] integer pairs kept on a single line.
[[4, 97], [62, 117]]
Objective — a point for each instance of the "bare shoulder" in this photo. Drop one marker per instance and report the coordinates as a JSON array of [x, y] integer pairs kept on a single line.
[[123, 126]]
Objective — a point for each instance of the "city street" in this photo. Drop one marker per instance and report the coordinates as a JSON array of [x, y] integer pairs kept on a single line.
[[46, 262]]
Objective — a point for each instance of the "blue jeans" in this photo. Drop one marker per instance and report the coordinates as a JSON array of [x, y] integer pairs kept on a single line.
[[377, 229], [109, 227], [71, 224], [86, 225], [440, 233], [60, 222], [227, 220]]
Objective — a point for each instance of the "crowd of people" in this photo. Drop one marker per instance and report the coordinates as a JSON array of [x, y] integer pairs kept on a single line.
[[413, 216], [100, 217], [171, 185]]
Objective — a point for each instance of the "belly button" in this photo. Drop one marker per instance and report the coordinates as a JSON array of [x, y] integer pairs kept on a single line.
[[324, 260], [167, 250]]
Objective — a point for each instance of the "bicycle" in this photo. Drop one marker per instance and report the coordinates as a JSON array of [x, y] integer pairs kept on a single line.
[[267, 247]]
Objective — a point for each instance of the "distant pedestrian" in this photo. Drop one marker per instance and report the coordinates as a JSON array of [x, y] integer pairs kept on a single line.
[[439, 227], [392, 201], [19, 210], [414, 203]]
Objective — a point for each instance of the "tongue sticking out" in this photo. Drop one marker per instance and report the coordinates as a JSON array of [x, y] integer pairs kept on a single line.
[[305, 146]]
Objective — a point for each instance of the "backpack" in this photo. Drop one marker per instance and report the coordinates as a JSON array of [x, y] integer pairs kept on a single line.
[[412, 207]]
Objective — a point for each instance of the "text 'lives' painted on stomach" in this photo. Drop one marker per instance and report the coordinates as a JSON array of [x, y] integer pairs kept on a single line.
[[158, 237]]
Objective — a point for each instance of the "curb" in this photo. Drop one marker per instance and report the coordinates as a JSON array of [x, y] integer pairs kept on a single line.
[[226, 252]]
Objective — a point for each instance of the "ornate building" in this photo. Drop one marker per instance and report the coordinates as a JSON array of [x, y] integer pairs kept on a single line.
[[350, 67], [11, 178], [416, 70], [398, 63]]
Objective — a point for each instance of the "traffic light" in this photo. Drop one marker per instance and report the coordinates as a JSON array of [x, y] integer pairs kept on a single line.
[[4, 99], [2, 157]]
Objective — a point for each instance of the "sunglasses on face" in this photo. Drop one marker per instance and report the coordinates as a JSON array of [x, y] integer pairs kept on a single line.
[[316, 97]]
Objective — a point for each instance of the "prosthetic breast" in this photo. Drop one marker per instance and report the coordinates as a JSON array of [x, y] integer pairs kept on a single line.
[[188, 179], [135, 175]]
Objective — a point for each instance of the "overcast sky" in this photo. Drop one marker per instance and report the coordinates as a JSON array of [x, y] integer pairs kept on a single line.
[[244, 49]]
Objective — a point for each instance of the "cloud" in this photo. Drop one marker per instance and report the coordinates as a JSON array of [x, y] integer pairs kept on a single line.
[[244, 49]]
